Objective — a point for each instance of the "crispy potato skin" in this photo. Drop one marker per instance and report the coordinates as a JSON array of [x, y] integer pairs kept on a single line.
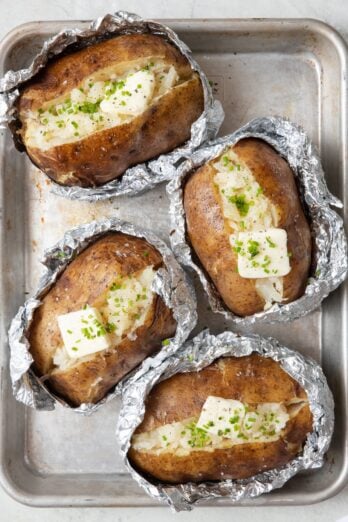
[[203, 209], [86, 280], [251, 379], [105, 155]]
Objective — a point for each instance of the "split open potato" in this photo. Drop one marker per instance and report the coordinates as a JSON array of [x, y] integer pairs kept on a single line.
[[92, 113], [256, 240], [100, 319], [235, 418]]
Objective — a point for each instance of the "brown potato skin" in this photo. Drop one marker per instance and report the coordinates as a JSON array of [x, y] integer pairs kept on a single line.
[[105, 155], [252, 379], [86, 280], [203, 209]]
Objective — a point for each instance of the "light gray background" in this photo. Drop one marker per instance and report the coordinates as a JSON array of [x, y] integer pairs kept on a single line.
[[334, 12]]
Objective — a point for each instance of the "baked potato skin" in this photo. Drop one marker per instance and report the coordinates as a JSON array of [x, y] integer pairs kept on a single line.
[[251, 379], [86, 280], [105, 155], [203, 210]]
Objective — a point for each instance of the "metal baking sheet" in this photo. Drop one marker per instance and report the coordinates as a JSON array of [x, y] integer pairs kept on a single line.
[[292, 68]]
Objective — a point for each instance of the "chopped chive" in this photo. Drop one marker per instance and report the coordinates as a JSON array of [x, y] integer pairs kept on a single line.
[[241, 204], [253, 248], [270, 242]]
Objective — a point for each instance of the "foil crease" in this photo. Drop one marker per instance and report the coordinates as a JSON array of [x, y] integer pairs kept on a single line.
[[170, 282], [141, 177], [195, 355], [330, 243]]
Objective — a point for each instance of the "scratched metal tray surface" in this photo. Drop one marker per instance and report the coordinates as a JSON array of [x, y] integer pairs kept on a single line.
[[292, 68]]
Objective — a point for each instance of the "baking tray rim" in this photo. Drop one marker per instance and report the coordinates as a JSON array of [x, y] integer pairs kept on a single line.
[[309, 23], [253, 24]]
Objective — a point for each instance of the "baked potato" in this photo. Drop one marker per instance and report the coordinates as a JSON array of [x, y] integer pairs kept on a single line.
[[92, 113], [100, 319], [256, 246], [235, 418]]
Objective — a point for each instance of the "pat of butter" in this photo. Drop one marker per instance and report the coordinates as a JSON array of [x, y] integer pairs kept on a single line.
[[83, 332], [262, 254], [222, 417]]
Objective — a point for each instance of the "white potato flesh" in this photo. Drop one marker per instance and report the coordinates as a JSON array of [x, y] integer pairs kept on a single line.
[[248, 210], [223, 423], [124, 309], [98, 105]]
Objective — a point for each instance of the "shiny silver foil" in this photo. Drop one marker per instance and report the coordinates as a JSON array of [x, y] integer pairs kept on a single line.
[[195, 355], [141, 177], [330, 243], [170, 283]]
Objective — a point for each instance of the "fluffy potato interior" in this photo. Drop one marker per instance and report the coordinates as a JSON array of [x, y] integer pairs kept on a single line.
[[247, 209], [252, 423], [123, 309], [107, 98]]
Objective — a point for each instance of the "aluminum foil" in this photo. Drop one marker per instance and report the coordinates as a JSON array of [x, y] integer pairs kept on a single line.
[[195, 355], [141, 177], [330, 243], [170, 283]]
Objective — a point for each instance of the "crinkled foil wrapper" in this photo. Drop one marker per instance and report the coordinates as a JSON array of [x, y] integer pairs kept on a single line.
[[170, 282], [195, 355], [141, 177], [330, 243]]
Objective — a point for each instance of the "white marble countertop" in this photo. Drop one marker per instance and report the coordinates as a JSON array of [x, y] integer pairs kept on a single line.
[[335, 13]]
